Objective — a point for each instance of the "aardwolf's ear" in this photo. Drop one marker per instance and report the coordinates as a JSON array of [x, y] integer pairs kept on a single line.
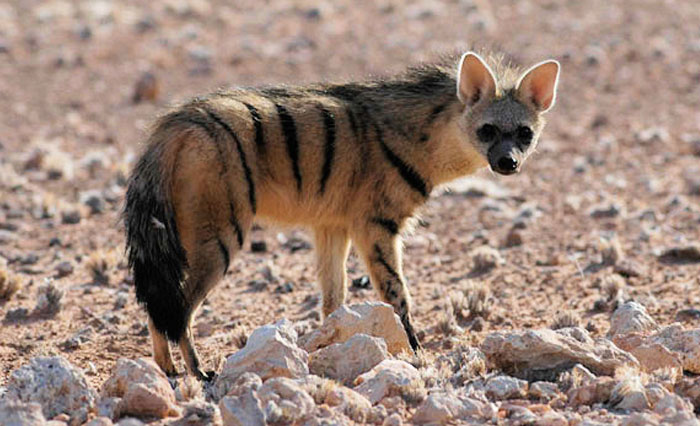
[[475, 80], [538, 85]]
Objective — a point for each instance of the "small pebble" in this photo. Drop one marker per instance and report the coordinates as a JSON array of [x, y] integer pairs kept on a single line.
[[285, 288], [71, 217], [64, 269], [258, 246], [361, 282]]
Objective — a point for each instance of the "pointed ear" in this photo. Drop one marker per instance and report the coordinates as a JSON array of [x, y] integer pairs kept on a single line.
[[475, 80], [538, 85]]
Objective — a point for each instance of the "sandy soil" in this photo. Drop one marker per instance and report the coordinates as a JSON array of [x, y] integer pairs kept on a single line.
[[618, 162]]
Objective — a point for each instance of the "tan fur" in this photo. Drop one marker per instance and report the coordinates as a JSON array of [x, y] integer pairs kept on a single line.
[[368, 155]]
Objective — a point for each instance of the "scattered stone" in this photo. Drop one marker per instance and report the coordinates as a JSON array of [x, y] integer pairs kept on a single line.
[[100, 421], [71, 217], [361, 282], [109, 407], [681, 255], [689, 314], [147, 88], [94, 201], [285, 401], [653, 134], [445, 407], [628, 394], [514, 238], [18, 413], [506, 387], [64, 269], [629, 268], [352, 404], [593, 392], [16, 314], [56, 385], [29, 259], [295, 244], [271, 351], [606, 211], [651, 356], [198, 413], [631, 317], [388, 378], [544, 391], [48, 302], [258, 246], [542, 354], [285, 288], [372, 318], [684, 343], [83, 335], [345, 361], [143, 387], [486, 258]]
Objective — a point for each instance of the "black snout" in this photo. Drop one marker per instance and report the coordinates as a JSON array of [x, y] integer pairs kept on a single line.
[[502, 159], [506, 165]]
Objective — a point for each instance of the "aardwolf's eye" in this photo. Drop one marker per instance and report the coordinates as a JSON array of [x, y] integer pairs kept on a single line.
[[487, 133], [524, 135]]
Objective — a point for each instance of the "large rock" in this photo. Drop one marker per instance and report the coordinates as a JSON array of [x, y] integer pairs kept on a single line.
[[271, 351], [345, 361], [543, 354], [56, 385], [18, 413], [243, 410], [352, 404], [631, 317], [372, 318], [444, 407], [143, 388], [199, 413], [669, 347], [388, 378]]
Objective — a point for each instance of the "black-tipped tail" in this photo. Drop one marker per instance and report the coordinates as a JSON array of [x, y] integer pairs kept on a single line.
[[156, 255]]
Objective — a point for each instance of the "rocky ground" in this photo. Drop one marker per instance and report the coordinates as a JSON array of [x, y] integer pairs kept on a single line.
[[596, 238]]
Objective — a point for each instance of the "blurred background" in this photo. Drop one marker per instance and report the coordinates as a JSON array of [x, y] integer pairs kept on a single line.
[[614, 186]]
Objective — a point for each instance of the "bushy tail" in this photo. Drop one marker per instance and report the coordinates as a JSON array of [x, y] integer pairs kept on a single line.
[[155, 252]]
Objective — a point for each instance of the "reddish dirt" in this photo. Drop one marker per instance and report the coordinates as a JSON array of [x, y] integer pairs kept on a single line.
[[625, 131]]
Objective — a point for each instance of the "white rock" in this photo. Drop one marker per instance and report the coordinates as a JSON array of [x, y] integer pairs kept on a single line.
[[352, 404], [285, 401], [18, 413], [684, 343], [631, 317], [271, 351], [372, 318], [543, 353], [506, 387], [100, 421], [386, 379], [444, 407], [56, 385], [345, 361], [243, 410], [143, 388]]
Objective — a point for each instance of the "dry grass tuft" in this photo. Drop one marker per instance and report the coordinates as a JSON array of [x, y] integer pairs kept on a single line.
[[188, 389], [473, 301], [100, 264], [9, 285], [565, 320], [447, 324], [239, 337], [612, 288], [48, 302]]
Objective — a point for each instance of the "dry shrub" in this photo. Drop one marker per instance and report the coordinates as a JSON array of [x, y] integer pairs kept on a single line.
[[613, 294], [100, 264], [188, 389], [486, 258], [447, 324], [9, 284], [565, 320], [473, 301], [239, 337]]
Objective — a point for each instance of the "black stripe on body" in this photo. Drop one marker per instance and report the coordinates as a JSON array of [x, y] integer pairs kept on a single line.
[[224, 254], [390, 225], [329, 151], [289, 130], [257, 122], [353, 121], [385, 264], [408, 173], [236, 226], [206, 125], [434, 114], [241, 153]]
